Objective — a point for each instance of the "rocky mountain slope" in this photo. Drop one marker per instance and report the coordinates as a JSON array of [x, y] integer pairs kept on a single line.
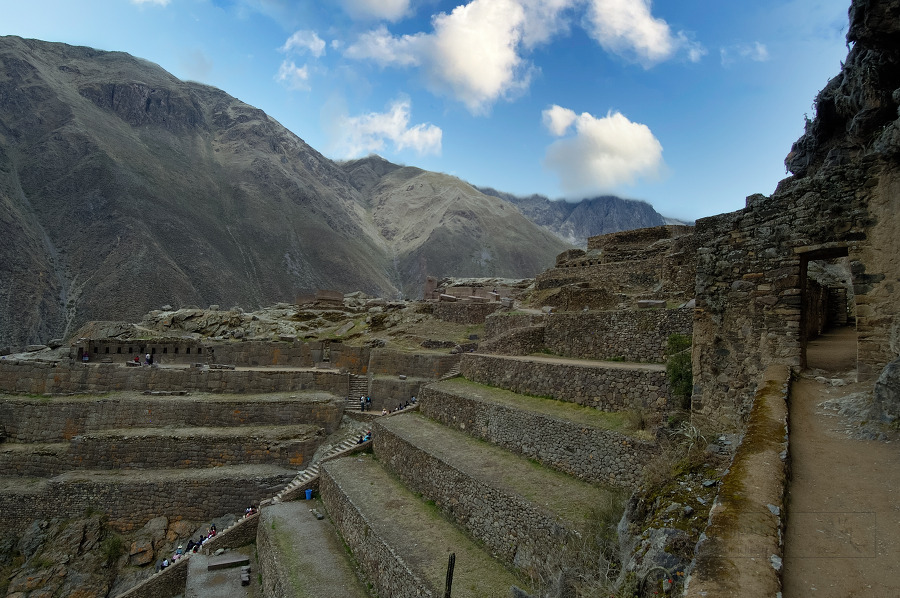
[[574, 222], [123, 189]]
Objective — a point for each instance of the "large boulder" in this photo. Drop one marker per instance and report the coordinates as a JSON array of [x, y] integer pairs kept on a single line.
[[887, 392]]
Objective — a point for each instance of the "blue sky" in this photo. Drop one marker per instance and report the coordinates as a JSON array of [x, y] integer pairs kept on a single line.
[[690, 105]]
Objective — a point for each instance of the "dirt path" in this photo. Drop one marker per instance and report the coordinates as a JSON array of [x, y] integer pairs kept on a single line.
[[843, 523], [593, 363]]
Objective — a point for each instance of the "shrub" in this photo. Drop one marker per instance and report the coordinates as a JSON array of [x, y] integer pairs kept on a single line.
[[678, 368]]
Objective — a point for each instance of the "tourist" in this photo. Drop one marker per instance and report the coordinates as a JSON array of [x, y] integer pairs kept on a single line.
[[368, 403], [362, 403], [383, 411], [147, 359]]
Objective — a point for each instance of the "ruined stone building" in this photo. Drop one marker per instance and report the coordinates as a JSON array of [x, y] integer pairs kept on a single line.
[[839, 210]]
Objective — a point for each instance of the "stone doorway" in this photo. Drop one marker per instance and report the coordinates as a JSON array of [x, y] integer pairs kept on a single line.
[[827, 301]]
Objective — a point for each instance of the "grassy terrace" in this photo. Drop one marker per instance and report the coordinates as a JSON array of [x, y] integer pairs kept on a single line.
[[418, 532], [568, 498], [617, 421]]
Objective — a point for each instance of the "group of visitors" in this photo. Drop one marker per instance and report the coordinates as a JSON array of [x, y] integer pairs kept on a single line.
[[365, 438], [365, 403], [192, 546], [400, 407]]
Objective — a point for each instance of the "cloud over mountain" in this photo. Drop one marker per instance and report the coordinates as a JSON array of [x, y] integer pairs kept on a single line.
[[603, 154]]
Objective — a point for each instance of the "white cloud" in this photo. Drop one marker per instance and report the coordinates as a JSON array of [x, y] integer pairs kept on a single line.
[[558, 119], [292, 76], [627, 28], [475, 53], [545, 19], [388, 10], [157, 2], [472, 55], [383, 48], [304, 40], [755, 52], [370, 132], [603, 154]]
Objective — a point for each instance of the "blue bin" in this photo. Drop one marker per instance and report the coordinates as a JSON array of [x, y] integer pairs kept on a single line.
[[309, 494]]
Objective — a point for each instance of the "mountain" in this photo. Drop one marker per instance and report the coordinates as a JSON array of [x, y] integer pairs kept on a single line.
[[436, 224], [574, 222], [123, 189]]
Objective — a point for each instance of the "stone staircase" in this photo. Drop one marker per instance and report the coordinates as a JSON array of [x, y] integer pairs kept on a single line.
[[306, 477], [453, 372], [358, 387]]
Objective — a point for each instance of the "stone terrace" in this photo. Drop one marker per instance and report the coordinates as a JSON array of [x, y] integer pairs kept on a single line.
[[579, 441], [610, 386], [401, 543], [520, 511]]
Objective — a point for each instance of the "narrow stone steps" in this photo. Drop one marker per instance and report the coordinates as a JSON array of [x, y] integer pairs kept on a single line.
[[401, 543], [358, 387], [519, 510], [305, 476]]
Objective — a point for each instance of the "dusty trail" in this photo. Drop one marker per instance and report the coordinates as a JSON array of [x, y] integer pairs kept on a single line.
[[843, 523]]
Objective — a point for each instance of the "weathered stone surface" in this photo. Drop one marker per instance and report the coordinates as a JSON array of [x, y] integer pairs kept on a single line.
[[887, 392]]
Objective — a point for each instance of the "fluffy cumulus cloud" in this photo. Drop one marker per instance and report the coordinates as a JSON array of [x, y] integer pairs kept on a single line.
[[476, 53], [472, 54], [602, 153], [755, 52], [388, 10], [371, 132], [627, 28], [304, 41]]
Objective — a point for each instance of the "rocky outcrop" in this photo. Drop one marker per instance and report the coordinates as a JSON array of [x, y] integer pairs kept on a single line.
[[856, 111]]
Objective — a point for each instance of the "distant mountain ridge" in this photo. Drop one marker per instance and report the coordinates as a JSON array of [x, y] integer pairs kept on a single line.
[[123, 189], [574, 222]]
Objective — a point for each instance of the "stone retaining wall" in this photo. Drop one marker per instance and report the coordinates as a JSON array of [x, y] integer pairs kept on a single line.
[[31, 377], [609, 389], [61, 419], [171, 581], [513, 529], [518, 341], [591, 454], [132, 503], [383, 567], [413, 365], [164, 451], [504, 321], [631, 335], [390, 392], [464, 313]]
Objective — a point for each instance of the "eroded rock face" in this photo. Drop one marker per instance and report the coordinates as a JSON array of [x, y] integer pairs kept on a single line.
[[861, 102], [887, 392]]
